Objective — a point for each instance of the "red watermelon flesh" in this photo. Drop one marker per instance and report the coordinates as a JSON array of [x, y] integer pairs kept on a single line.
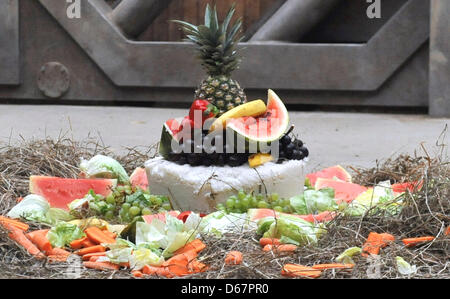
[[139, 178], [59, 192], [257, 214], [329, 173], [161, 216], [344, 191], [411, 186]]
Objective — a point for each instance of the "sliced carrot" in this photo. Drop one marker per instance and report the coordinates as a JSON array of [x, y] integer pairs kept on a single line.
[[19, 199], [178, 264], [137, 274], [266, 241], [110, 234], [158, 271], [94, 258], [87, 243], [197, 245], [19, 237], [332, 266], [102, 266], [280, 248], [92, 249], [295, 270], [197, 267], [447, 231], [233, 258], [39, 238], [87, 257], [77, 244], [411, 242], [16, 223], [58, 255], [375, 242], [97, 236]]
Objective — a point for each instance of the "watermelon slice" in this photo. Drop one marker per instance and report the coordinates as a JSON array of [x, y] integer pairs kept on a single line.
[[139, 178], [337, 172], [267, 128], [257, 214], [344, 191], [161, 216], [59, 192], [411, 186]]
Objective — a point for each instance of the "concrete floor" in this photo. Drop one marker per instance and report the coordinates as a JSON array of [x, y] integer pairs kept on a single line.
[[332, 138]]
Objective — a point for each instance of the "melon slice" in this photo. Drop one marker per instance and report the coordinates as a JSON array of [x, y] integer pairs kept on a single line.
[[257, 214], [264, 129], [59, 192], [139, 178], [161, 216], [410, 186], [337, 172], [344, 191]]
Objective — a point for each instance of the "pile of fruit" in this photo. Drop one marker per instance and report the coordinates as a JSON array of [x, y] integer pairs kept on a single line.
[[223, 127]]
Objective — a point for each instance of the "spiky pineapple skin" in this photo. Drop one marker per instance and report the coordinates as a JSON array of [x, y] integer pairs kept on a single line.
[[221, 91]]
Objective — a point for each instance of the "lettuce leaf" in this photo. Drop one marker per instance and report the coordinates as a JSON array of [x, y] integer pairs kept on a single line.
[[32, 207], [288, 227], [104, 167], [219, 222], [63, 233], [314, 201]]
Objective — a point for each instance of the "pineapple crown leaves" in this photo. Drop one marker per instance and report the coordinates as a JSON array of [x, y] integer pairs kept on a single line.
[[216, 43]]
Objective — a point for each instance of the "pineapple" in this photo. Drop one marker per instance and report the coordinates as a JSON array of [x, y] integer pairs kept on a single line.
[[216, 44]]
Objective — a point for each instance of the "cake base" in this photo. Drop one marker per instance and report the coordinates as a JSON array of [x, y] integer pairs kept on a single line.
[[201, 188]]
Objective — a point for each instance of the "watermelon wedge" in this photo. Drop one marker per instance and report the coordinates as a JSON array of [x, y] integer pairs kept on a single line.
[[344, 191], [257, 214], [411, 186], [59, 192], [161, 216], [139, 178], [337, 172]]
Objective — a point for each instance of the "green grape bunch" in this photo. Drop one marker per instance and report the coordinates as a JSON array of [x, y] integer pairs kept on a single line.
[[242, 202]]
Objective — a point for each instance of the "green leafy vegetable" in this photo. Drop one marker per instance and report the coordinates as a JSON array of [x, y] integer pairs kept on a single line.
[[314, 201], [104, 167], [32, 207], [292, 228], [404, 267], [63, 233], [346, 256]]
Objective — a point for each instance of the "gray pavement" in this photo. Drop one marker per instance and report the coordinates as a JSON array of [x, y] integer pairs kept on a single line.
[[357, 139]]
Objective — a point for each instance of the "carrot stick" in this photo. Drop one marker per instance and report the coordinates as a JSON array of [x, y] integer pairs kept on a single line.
[[197, 267], [102, 266], [19, 224], [295, 270], [58, 255], [87, 257], [332, 266], [411, 242], [233, 258], [197, 245], [87, 243], [267, 241], [97, 236], [178, 264], [39, 238], [19, 237], [137, 274], [375, 242], [447, 231], [280, 248], [110, 234], [77, 244], [92, 249]]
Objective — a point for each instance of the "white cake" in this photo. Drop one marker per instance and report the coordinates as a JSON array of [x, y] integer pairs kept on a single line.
[[201, 188]]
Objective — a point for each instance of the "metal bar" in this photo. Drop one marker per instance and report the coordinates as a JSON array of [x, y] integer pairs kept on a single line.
[[361, 67], [263, 19], [9, 43], [294, 19], [134, 16], [440, 59]]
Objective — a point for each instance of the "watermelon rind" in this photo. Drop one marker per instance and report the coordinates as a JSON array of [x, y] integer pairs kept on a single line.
[[335, 172]]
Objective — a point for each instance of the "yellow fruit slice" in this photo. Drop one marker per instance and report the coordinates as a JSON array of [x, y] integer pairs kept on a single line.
[[259, 159], [253, 109]]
